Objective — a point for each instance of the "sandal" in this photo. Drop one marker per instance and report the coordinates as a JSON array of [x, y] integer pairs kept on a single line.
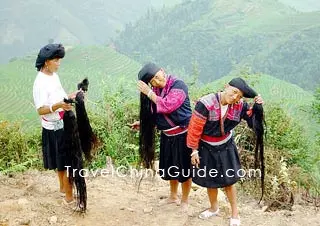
[[63, 194], [66, 203], [207, 214], [234, 221]]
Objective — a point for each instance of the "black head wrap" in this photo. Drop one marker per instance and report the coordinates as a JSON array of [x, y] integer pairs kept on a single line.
[[49, 52], [239, 83], [147, 72]]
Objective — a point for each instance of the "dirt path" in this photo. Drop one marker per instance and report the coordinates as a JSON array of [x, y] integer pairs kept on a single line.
[[31, 198]]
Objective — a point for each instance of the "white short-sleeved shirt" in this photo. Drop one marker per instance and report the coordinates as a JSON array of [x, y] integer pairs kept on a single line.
[[47, 90], [224, 109]]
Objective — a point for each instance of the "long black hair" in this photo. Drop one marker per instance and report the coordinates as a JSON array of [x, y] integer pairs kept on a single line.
[[88, 139], [147, 131], [78, 139], [258, 124], [147, 118], [73, 150]]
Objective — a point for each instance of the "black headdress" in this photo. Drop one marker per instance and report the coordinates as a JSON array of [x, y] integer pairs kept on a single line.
[[49, 52], [247, 91], [147, 72]]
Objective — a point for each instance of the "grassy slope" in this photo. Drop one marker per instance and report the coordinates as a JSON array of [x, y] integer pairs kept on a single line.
[[106, 69], [225, 35]]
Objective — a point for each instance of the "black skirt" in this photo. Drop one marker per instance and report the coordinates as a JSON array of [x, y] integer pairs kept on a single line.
[[219, 165], [175, 160], [52, 149]]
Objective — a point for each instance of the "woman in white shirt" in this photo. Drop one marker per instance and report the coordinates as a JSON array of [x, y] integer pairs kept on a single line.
[[48, 97]]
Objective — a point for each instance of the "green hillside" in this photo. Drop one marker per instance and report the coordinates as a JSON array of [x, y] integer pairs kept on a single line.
[[104, 68], [221, 36], [165, 3], [110, 71], [304, 6], [26, 25]]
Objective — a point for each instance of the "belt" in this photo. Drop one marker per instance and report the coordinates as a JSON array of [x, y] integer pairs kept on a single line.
[[175, 131], [216, 140]]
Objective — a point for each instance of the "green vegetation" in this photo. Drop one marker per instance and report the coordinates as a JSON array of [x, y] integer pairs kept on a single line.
[[109, 120], [290, 157], [23, 29], [19, 151], [222, 36], [316, 108], [113, 103], [304, 6], [108, 70], [316, 104], [26, 25], [205, 42]]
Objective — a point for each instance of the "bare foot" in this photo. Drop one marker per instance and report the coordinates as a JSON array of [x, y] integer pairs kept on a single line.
[[62, 193], [184, 207], [169, 201]]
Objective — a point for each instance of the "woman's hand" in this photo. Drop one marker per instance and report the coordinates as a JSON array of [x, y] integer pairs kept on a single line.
[[195, 159], [135, 125], [143, 87], [74, 94], [65, 106], [258, 99]]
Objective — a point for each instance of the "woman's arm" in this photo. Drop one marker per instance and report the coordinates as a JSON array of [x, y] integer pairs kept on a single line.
[[49, 109], [196, 125], [171, 102]]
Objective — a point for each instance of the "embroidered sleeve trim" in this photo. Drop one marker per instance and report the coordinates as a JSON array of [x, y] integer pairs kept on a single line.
[[195, 130], [170, 102]]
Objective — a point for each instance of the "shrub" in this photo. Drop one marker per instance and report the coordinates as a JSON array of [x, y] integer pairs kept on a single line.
[[19, 151]]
